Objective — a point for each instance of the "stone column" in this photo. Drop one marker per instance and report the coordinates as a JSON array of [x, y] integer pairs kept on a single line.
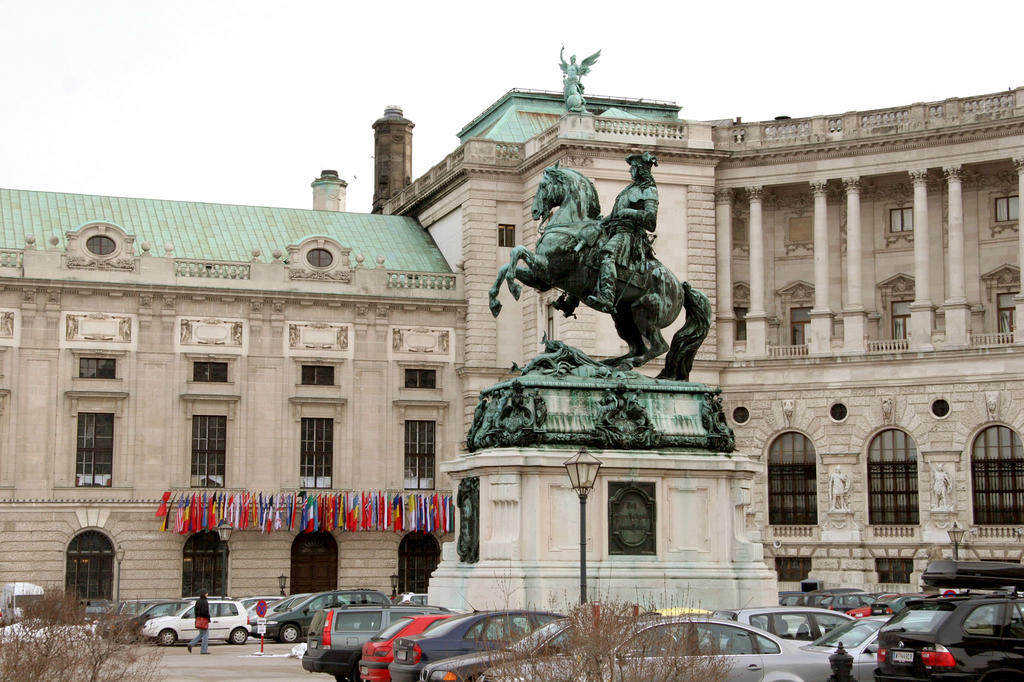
[[821, 313], [1018, 333], [757, 316], [854, 317], [922, 315], [958, 313], [723, 263]]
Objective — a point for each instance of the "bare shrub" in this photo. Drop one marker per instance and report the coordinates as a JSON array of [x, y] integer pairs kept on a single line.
[[602, 638], [53, 641]]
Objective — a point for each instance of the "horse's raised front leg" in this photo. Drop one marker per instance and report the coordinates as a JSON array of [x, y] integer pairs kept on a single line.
[[492, 294], [517, 253]]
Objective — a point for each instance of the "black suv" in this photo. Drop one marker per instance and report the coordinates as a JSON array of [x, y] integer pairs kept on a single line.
[[289, 626], [962, 636]]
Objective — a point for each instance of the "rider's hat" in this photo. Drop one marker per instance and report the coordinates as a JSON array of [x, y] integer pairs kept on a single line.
[[647, 159]]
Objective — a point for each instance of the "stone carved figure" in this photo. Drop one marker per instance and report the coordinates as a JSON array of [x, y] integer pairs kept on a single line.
[[622, 421], [887, 409], [992, 405], [839, 490], [572, 73], [510, 416], [568, 256], [720, 434], [942, 489], [468, 500]]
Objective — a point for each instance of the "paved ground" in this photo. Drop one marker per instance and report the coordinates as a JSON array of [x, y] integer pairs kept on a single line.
[[232, 662]]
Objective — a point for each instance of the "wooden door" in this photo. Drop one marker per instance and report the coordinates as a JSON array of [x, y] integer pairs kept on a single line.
[[314, 563]]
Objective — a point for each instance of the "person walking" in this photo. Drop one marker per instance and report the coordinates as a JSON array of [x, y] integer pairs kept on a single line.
[[202, 624]]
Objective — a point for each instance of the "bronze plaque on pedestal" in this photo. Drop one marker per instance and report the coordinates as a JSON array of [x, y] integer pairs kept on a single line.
[[632, 518]]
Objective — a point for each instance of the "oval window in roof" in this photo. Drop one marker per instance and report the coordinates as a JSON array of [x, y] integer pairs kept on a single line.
[[319, 258], [100, 245]]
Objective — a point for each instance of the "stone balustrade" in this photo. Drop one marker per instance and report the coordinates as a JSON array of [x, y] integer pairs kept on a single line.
[[998, 532], [992, 339], [796, 351], [894, 532], [888, 345], [211, 269], [11, 258], [637, 128], [420, 280], [805, 532]]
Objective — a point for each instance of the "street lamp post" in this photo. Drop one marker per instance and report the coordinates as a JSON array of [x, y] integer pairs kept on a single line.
[[224, 533], [394, 586], [119, 555], [282, 580], [582, 469], [956, 536]]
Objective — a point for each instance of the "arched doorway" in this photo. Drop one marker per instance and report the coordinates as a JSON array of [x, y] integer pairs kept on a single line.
[[417, 558], [90, 566], [314, 563], [202, 564]]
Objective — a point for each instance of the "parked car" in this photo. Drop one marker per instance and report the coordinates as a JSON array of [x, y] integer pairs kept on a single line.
[[859, 638], [817, 596], [789, 597], [336, 635], [803, 623], [228, 621], [418, 598], [751, 655], [250, 602], [885, 605], [378, 652], [291, 624], [461, 635]]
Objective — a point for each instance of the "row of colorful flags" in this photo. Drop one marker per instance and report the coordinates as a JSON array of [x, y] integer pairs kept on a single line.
[[308, 512]]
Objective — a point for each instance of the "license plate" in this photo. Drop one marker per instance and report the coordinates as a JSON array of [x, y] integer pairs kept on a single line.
[[401, 655], [363, 670], [903, 657], [314, 644]]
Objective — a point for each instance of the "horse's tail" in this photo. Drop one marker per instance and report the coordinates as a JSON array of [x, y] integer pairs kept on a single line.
[[687, 340]]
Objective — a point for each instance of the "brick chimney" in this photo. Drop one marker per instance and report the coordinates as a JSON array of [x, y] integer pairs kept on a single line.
[[392, 153], [329, 192]]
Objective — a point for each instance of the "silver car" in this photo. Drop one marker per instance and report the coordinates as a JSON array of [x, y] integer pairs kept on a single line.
[[860, 639], [802, 623]]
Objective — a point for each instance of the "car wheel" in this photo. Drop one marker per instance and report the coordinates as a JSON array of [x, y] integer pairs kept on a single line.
[[239, 636], [289, 633], [167, 637]]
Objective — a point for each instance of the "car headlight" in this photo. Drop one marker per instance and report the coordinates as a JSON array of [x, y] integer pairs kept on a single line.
[[271, 622], [442, 676]]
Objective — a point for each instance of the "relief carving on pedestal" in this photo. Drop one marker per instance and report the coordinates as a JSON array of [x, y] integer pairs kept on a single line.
[[632, 517], [469, 520]]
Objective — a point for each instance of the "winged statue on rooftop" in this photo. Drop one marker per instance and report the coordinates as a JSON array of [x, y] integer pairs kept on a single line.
[[572, 87]]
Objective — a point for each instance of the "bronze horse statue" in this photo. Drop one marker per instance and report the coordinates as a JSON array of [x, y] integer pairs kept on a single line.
[[566, 258]]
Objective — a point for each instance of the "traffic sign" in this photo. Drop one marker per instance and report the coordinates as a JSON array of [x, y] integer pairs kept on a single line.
[[261, 608], [261, 626], [949, 593]]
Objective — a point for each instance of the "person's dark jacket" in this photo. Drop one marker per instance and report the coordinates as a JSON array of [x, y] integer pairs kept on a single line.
[[202, 608]]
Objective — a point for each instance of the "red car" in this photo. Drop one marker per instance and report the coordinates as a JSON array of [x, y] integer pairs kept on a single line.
[[885, 605], [378, 654]]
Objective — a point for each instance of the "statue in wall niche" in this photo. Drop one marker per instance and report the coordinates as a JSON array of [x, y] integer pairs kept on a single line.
[[992, 405], [608, 263], [887, 409], [572, 73], [838, 490], [942, 489], [469, 520]]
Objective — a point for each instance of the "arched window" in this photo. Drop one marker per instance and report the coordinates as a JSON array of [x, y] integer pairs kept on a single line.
[[314, 562], [201, 564], [90, 566], [792, 481], [997, 477], [892, 479], [417, 558]]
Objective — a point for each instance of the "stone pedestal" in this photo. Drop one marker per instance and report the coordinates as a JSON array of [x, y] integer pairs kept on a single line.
[[679, 541], [854, 331]]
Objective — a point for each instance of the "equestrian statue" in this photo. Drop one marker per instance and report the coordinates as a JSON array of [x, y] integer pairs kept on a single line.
[[608, 263]]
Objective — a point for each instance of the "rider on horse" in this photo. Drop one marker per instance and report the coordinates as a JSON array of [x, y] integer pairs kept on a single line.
[[634, 215]]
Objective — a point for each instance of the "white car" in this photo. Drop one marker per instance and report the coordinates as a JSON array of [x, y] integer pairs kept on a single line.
[[228, 621]]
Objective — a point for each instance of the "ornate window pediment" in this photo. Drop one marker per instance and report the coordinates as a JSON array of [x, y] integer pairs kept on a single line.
[[741, 294], [1004, 278], [798, 293], [100, 245], [899, 287], [319, 259]]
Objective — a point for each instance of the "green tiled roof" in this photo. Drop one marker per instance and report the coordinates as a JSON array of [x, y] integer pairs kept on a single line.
[[223, 232]]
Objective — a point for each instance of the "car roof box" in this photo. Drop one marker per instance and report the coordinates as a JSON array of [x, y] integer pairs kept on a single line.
[[979, 575]]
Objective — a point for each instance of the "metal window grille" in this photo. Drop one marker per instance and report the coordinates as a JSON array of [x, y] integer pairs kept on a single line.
[[792, 481], [418, 555], [201, 564], [94, 458], [90, 566], [892, 479], [419, 455], [209, 447], [997, 477], [894, 570], [317, 457], [97, 368], [421, 378], [792, 569]]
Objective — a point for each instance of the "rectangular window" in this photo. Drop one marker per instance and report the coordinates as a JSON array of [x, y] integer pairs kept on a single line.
[[1007, 208], [900, 319], [741, 323], [94, 459], [210, 371], [419, 455], [317, 375], [421, 378], [894, 570], [1005, 312], [799, 319], [317, 457], [550, 327], [209, 447], [506, 235], [97, 368], [901, 219], [792, 569]]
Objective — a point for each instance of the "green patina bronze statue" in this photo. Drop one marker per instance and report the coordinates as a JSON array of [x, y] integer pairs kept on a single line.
[[572, 87]]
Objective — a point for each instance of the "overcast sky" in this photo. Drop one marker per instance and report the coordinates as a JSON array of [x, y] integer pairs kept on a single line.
[[245, 102]]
